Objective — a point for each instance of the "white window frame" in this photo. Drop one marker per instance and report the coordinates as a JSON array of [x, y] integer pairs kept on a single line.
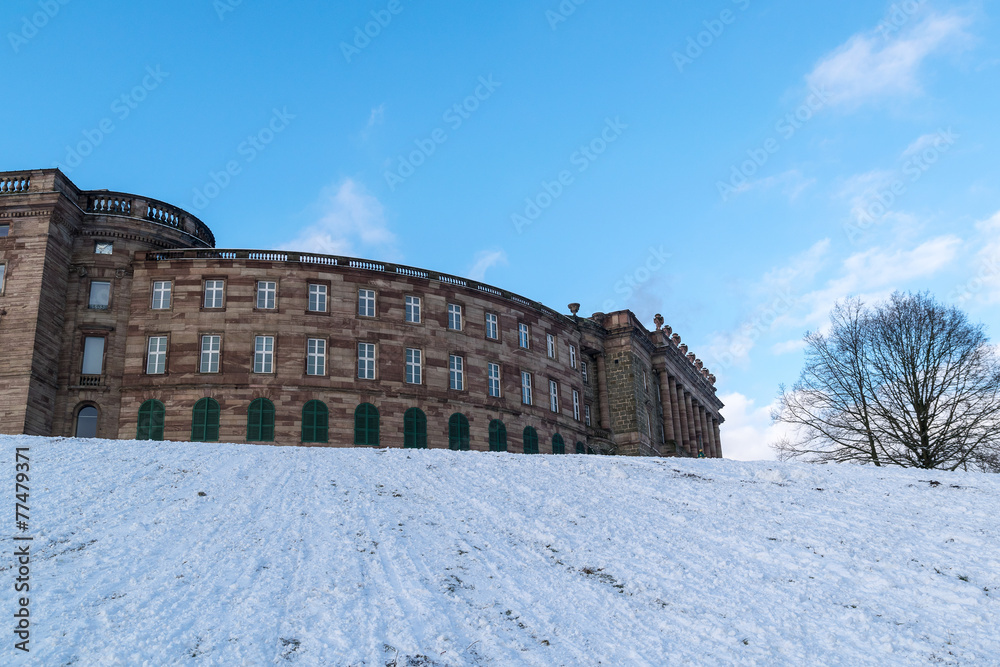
[[526, 388], [576, 405], [454, 317], [583, 371], [316, 356], [317, 296], [586, 414], [412, 308], [492, 326], [3, 275], [572, 356], [414, 366], [553, 396], [90, 297], [456, 372], [211, 353], [156, 355], [215, 288], [550, 345], [366, 361], [267, 294], [98, 350], [494, 386], [366, 303], [162, 294], [523, 336], [263, 355]]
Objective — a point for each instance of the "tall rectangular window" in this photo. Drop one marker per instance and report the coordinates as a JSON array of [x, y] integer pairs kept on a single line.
[[317, 298], [492, 330], [3, 268], [413, 366], [576, 405], [454, 317], [4, 230], [526, 388], [456, 372], [553, 396], [413, 309], [366, 302], [586, 414], [366, 361], [583, 370], [523, 335], [263, 354], [316, 356], [156, 355], [267, 293], [494, 380], [215, 291], [161, 295], [100, 295], [550, 345], [93, 355], [572, 356], [211, 350]]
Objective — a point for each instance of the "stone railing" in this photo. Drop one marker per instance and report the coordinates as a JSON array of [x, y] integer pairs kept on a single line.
[[103, 202], [11, 184], [281, 256], [90, 380]]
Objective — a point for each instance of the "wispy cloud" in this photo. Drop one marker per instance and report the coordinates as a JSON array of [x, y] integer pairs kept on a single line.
[[871, 66], [747, 434], [375, 118], [486, 260]]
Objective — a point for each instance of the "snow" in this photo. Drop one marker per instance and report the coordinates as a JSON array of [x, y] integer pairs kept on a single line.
[[317, 556]]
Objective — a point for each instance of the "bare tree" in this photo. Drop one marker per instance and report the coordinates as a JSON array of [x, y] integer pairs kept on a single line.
[[909, 382]]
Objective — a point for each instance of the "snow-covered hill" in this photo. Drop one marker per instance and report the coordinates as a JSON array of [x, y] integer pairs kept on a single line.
[[217, 554]]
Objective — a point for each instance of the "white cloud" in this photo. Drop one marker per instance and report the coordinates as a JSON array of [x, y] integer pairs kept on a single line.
[[350, 221], [788, 347], [791, 182], [486, 260], [871, 66], [748, 432]]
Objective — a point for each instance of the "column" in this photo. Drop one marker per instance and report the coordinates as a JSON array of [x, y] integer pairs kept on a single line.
[[692, 429], [675, 413], [665, 405], [685, 424], [709, 439], [602, 393], [718, 438]]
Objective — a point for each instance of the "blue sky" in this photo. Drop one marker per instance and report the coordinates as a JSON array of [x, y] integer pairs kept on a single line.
[[736, 165]]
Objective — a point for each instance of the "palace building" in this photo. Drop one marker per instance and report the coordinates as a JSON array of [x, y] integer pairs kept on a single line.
[[119, 318]]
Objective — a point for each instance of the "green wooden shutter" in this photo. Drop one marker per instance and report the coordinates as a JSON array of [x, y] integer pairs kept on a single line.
[[315, 422], [458, 432], [366, 425], [530, 440], [558, 446]]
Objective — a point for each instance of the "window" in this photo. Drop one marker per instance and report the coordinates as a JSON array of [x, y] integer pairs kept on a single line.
[[458, 432], [558, 446], [103, 248], [86, 422], [267, 293], [576, 405], [366, 361], [583, 371], [263, 354], [586, 414], [3, 268], [412, 366], [523, 336], [93, 355], [316, 356], [645, 385], [526, 388], [260, 421], [100, 295], [413, 309], [317, 298], [211, 349], [572, 356], [550, 345], [161, 294], [454, 317], [215, 291], [205, 421], [315, 422], [494, 382], [156, 356], [580, 449], [492, 330], [530, 440], [456, 372], [649, 421], [498, 436], [553, 396], [414, 429], [366, 425], [366, 302], [151, 417], [4, 231]]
